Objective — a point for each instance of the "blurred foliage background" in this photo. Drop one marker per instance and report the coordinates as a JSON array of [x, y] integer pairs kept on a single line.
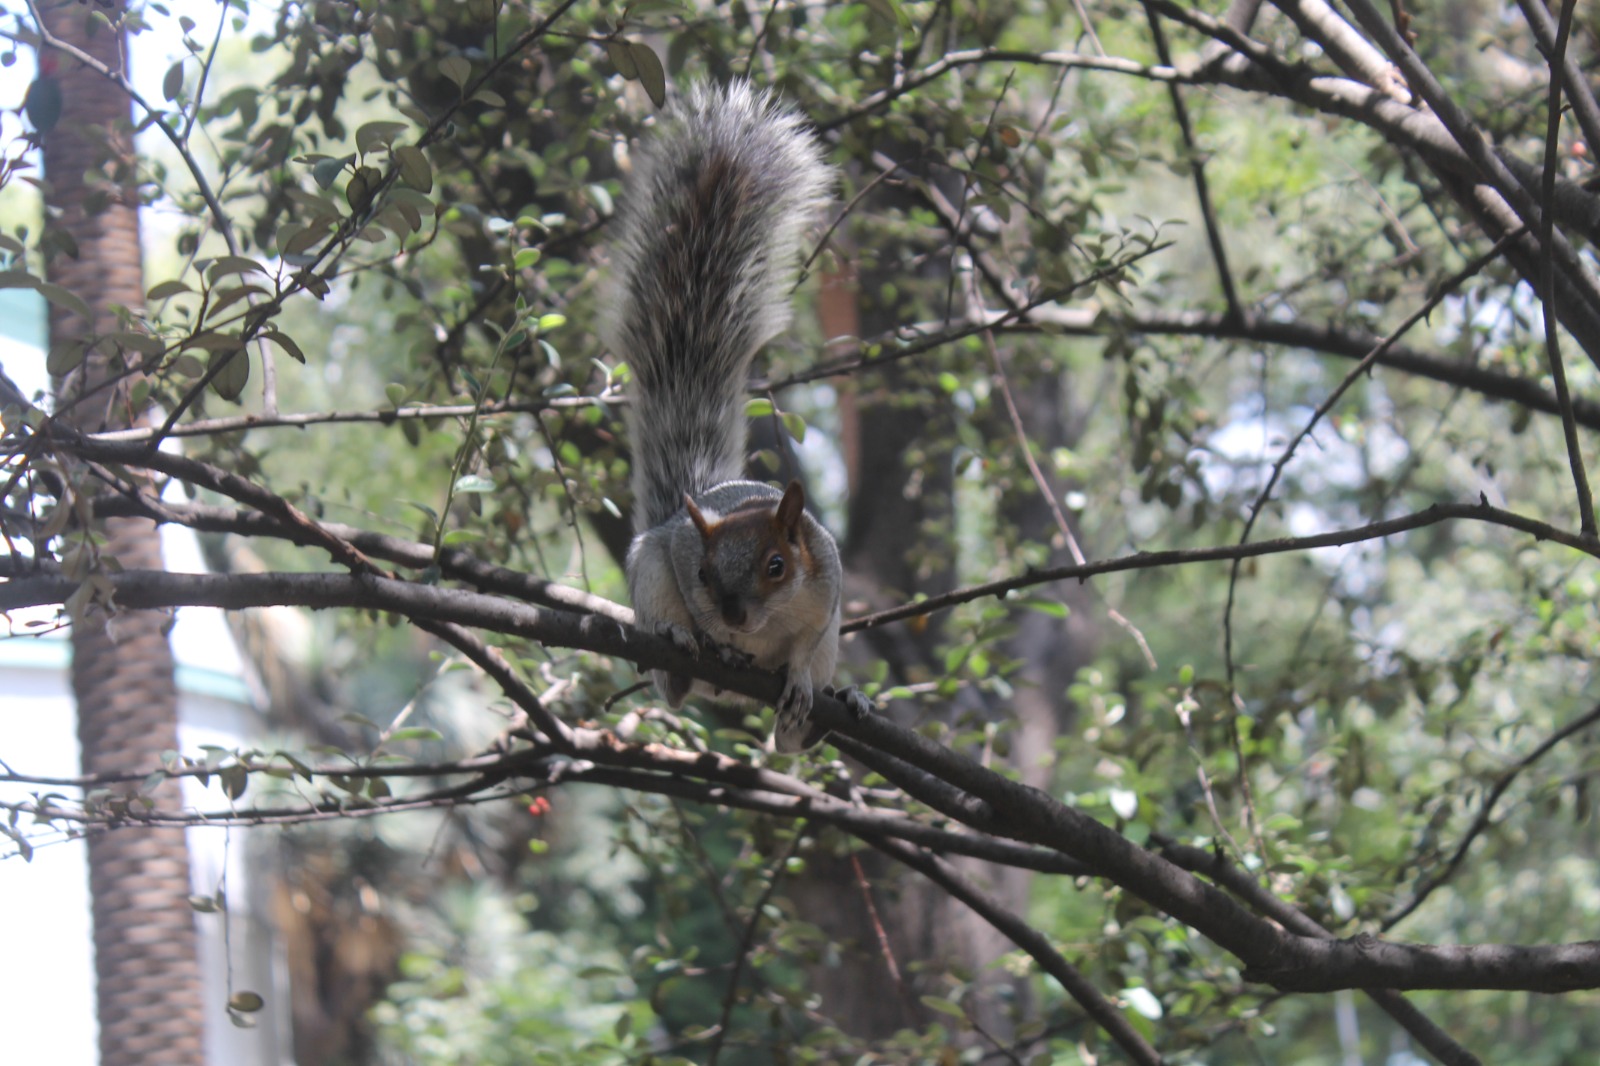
[[1178, 267]]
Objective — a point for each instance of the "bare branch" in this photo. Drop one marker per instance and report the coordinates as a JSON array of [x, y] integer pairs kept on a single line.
[[1439, 512], [1197, 171], [1573, 80], [1485, 813], [1547, 264], [1322, 410], [1105, 1014]]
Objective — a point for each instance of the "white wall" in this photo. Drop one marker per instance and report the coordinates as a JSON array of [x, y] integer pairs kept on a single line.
[[46, 952]]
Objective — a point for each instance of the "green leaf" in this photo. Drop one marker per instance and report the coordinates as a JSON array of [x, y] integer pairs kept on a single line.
[[224, 265], [186, 365], [372, 134], [222, 299], [363, 185], [415, 170], [234, 375], [283, 341], [294, 238], [473, 483], [65, 298], [525, 258], [212, 341], [64, 358], [327, 171], [945, 1006], [758, 408], [891, 12], [235, 779], [651, 74], [165, 290], [456, 69], [416, 733], [622, 58], [1144, 1001], [429, 512], [246, 1002], [172, 84]]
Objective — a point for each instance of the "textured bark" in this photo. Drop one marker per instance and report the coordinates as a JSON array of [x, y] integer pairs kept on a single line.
[[148, 978]]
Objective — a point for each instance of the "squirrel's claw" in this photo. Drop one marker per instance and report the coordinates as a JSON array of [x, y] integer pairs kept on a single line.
[[735, 658], [855, 701], [681, 636], [791, 731]]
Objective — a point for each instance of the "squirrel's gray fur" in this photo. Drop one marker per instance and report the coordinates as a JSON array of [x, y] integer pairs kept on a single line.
[[708, 237], [707, 240]]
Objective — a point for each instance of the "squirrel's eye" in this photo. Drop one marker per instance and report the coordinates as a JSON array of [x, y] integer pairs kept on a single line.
[[775, 567]]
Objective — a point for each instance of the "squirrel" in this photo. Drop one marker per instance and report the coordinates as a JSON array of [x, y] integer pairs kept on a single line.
[[708, 234]]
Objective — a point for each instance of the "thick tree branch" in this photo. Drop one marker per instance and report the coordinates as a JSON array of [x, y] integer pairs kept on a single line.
[[1013, 810], [454, 564]]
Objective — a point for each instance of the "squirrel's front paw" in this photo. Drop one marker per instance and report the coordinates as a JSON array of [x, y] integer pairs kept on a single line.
[[735, 658], [855, 701], [792, 728], [681, 636]]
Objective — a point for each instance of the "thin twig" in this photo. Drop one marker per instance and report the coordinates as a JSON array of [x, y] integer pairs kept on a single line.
[[1439, 512], [1485, 812], [334, 247], [1547, 265], [1023, 446], [1197, 170], [747, 942], [492, 662], [193, 113], [1576, 83], [1239, 882], [1366, 364], [1101, 1010]]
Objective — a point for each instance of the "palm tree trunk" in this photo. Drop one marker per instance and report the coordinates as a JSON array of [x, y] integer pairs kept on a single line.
[[146, 961]]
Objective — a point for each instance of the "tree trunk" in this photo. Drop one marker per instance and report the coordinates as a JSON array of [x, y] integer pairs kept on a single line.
[[146, 961], [895, 439]]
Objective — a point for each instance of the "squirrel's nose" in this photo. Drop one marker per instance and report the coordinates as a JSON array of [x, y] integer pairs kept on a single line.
[[732, 610]]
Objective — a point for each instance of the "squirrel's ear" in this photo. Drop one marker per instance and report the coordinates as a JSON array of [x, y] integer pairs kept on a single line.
[[696, 517], [792, 506]]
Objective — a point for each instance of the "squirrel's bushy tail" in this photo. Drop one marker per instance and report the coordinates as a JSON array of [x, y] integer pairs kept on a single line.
[[707, 238]]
